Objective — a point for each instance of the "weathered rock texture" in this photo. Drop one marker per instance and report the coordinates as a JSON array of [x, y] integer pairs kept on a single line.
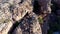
[[28, 25], [11, 11], [45, 11], [45, 6], [23, 12]]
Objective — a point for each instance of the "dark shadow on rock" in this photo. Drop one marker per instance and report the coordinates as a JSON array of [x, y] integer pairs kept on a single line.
[[15, 25], [36, 8]]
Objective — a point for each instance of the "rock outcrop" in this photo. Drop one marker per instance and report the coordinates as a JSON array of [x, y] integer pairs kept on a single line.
[[11, 11], [26, 13], [28, 25]]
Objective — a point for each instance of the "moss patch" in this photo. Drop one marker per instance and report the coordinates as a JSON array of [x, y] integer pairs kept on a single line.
[[40, 20]]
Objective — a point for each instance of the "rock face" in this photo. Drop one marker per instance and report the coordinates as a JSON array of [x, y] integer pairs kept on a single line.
[[45, 6], [22, 12], [28, 25], [45, 10], [11, 11], [19, 10]]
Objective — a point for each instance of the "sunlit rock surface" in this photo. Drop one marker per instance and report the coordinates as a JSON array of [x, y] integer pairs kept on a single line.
[[11, 11]]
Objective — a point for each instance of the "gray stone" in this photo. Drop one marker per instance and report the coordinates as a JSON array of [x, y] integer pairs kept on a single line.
[[28, 25], [11, 11]]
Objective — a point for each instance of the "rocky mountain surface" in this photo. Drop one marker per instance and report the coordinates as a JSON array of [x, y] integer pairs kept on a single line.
[[29, 25], [11, 11], [29, 16]]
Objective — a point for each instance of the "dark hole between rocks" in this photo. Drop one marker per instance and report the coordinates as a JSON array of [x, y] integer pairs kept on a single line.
[[36, 8]]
